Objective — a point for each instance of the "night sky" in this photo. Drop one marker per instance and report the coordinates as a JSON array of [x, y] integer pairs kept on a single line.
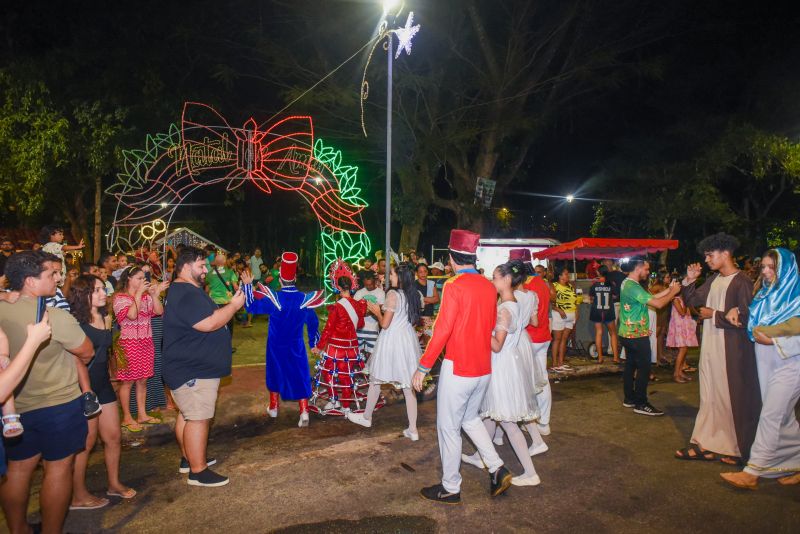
[[715, 59]]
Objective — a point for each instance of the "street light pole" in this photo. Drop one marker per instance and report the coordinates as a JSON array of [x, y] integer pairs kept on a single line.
[[389, 39]]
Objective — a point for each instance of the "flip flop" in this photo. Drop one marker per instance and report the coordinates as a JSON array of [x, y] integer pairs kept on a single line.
[[130, 494], [151, 421], [101, 503], [132, 427]]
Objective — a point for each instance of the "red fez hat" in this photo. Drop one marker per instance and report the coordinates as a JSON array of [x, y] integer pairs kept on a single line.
[[463, 241], [522, 254], [288, 266]]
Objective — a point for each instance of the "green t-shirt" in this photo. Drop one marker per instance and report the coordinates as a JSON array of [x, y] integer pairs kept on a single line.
[[219, 292], [275, 285], [634, 321]]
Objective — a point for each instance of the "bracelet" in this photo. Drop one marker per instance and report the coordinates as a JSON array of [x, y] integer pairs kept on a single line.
[[423, 370]]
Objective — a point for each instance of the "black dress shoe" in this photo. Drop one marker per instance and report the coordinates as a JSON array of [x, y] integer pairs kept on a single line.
[[500, 481], [439, 494]]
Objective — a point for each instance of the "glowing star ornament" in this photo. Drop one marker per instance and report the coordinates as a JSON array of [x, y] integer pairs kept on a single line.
[[405, 34]]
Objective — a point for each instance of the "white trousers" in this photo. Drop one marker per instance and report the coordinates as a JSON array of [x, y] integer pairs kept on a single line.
[[458, 403], [544, 397]]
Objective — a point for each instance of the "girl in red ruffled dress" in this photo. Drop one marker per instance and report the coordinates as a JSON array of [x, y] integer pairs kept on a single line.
[[340, 378]]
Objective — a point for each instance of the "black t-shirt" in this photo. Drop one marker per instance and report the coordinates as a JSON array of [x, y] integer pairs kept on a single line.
[[615, 279], [189, 353], [602, 307]]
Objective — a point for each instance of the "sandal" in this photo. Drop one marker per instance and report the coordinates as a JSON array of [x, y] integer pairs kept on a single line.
[[129, 493], [730, 460], [699, 454], [151, 421], [690, 369], [12, 426], [681, 379], [98, 503], [132, 427]]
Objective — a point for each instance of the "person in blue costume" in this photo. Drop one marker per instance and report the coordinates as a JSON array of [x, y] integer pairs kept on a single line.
[[288, 376]]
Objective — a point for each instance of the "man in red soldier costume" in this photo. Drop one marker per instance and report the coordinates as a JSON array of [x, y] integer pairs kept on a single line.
[[464, 330]]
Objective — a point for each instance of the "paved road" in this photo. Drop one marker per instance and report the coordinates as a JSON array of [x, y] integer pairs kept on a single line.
[[607, 470]]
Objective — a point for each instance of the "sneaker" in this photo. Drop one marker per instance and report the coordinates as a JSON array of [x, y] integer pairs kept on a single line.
[[533, 450], [439, 494], [359, 419], [498, 439], [521, 480], [303, 422], [474, 459], [184, 467], [499, 481], [330, 405], [628, 404], [207, 478], [413, 436], [273, 412], [648, 409], [91, 406], [544, 430]]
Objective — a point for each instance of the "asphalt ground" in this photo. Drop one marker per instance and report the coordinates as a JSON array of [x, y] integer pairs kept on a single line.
[[607, 470]]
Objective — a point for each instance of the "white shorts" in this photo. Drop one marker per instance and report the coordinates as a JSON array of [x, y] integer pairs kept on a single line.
[[559, 323]]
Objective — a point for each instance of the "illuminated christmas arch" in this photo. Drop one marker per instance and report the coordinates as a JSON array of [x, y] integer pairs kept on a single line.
[[206, 150]]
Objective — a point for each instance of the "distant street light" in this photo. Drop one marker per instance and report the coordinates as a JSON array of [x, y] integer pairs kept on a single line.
[[570, 198]]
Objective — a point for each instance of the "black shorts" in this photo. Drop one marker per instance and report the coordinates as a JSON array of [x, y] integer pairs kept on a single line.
[[54, 432], [101, 382], [602, 316]]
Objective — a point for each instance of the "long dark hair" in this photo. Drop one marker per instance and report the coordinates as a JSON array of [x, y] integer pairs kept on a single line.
[[408, 287], [760, 282], [80, 298]]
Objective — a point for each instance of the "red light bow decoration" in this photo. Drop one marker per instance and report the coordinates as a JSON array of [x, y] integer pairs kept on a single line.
[[210, 151]]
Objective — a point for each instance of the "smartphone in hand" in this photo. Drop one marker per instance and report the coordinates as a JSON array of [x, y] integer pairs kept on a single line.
[[147, 276], [40, 308]]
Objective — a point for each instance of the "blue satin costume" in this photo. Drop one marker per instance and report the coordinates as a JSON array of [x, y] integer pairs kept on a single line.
[[287, 371]]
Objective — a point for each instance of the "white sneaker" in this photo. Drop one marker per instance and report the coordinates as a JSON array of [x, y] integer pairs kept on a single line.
[[521, 480], [533, 450], [303, 422], [358, 419], [498, 440], [331, 405], [475, 460], [272, 413], [543, 429], [413, 436]]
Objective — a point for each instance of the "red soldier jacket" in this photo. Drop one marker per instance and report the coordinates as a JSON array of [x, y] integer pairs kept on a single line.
[[339, 325], [464, 326], [541, 333]]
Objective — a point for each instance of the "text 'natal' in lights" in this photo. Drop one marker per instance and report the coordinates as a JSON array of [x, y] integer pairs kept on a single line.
[[206, 150]]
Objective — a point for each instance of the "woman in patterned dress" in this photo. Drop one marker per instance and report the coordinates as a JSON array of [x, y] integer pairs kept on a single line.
[[340, 370], [135, 302]]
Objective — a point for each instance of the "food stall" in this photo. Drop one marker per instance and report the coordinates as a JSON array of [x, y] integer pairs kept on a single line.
[[586, 248]]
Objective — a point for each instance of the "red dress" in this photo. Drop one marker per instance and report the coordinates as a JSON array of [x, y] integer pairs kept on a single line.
[[136, 337], [340, 370]]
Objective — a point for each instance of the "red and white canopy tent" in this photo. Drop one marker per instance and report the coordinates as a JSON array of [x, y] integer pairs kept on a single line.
[[586, 248]]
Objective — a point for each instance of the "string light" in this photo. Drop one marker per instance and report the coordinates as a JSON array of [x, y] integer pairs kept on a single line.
[[207, 150]]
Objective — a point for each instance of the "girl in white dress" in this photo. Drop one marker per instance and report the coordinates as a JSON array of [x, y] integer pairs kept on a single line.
[[511, 396], [396, 354]]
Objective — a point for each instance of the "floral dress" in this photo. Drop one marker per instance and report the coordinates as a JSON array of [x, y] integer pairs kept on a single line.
[[136, 337]]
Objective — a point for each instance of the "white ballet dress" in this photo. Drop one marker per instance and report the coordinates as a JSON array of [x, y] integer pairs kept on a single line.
[[511, 395], [397, 352]]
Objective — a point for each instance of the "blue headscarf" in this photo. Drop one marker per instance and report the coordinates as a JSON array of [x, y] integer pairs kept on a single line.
[[779, 301]]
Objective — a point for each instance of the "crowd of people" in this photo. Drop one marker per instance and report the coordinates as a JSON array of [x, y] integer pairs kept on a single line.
[[117, 341]]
